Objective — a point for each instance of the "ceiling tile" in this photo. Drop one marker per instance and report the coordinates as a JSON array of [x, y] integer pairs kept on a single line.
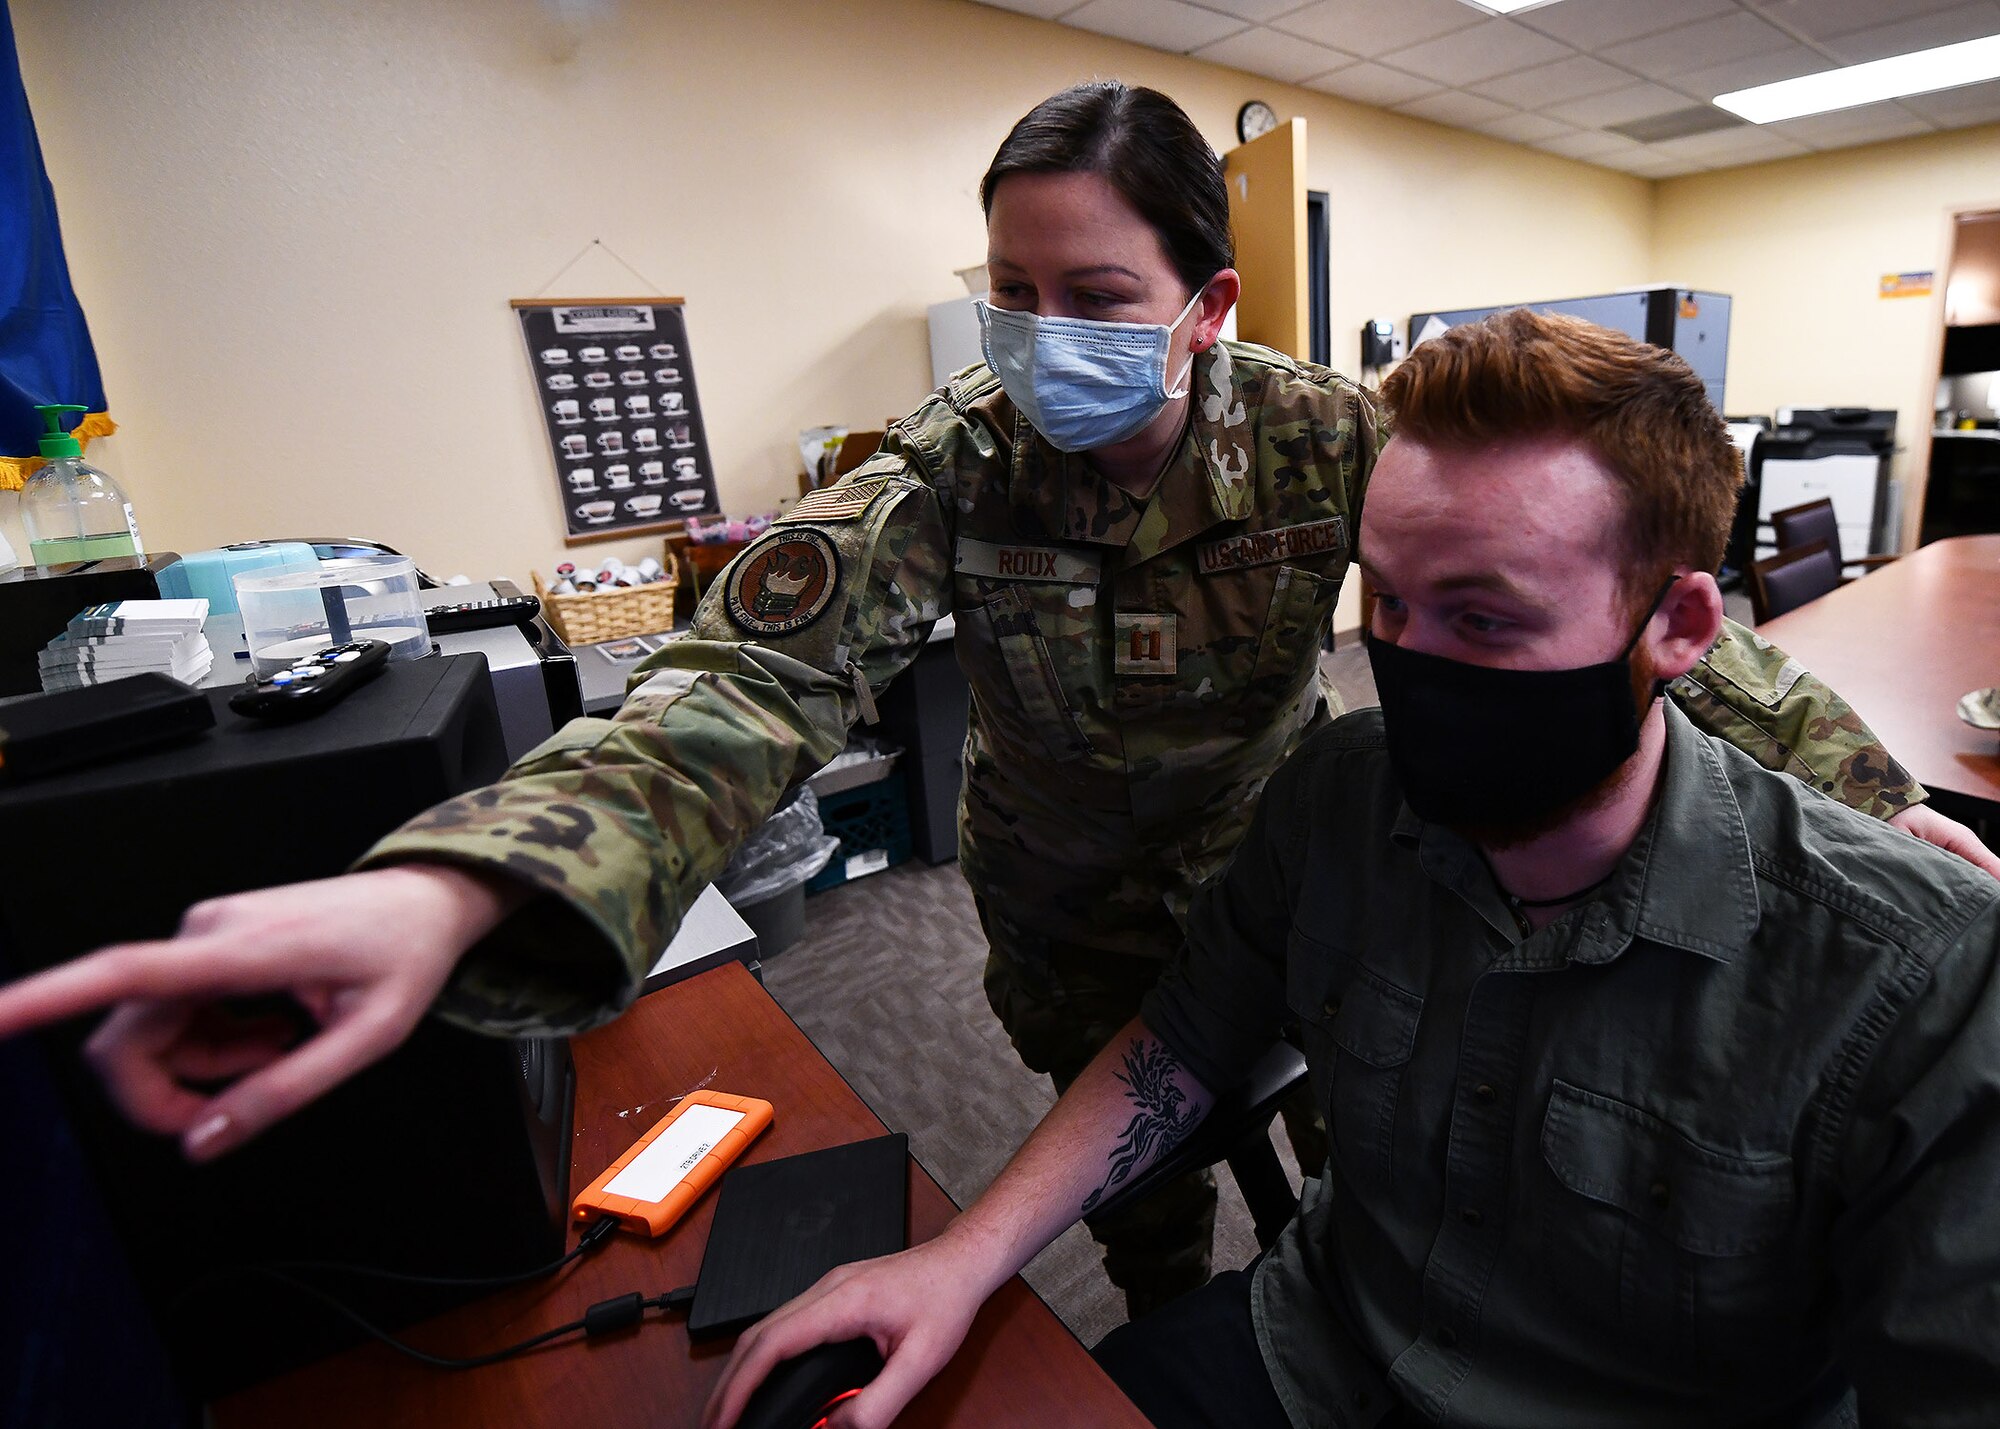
[[1489, 49], [1454, 107], [1262, 10], [1751, 70], [1525, 129], [1592, 144], [1868, 124], [1729, 146], [1959, 108], [1620, 106], [1043, 9], [1162, 24], [1372, 28], [1266, 52], [1590, 25], [1573, 78], [1819, 19], [1699, 46], [1919, 32], [1373, 84]]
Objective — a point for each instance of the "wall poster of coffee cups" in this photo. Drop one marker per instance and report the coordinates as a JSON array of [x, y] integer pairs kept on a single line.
[[616, 387]]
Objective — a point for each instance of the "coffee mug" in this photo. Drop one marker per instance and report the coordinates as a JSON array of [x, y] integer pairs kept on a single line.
[[592, 354], [597, 512], [664, 350], [562, 382], [576, 444], [628, 353], [646, 439], [555, 356], [583, 478], [688, 498], [568, 411], [604, 409], [685, 470], [643, 505], [618, 477], [639, 406], [652, 473], [611, 443]]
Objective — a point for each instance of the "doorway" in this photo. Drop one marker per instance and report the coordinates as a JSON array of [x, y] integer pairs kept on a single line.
[[1961, 491]]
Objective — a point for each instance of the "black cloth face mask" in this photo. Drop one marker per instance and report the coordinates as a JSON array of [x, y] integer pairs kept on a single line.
[[1483, 747]]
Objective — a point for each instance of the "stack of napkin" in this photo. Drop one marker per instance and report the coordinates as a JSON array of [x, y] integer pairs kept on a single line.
[[129, 637]]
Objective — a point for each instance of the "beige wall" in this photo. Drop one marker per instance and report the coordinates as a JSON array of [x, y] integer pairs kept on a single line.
[[1802, 245], [296, 227]]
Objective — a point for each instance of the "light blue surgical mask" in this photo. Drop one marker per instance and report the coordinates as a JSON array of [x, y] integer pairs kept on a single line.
[[1083, 384]]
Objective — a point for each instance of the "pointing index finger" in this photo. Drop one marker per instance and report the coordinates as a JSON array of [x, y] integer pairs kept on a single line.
[[171, 968]]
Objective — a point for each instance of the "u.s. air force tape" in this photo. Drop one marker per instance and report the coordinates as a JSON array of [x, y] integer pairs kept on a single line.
[[1258, 548], [783, 583]]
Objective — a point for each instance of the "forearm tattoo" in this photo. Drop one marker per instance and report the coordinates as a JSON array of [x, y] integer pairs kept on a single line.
[[1161, 1117]]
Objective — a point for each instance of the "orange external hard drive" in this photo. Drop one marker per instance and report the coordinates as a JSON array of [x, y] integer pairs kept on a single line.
[[652, 1185]]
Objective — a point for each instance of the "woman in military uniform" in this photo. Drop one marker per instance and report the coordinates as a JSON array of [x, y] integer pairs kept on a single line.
[[1141, 531]]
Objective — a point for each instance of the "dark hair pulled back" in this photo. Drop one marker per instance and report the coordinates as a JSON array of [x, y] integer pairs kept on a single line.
[[1147, 148]]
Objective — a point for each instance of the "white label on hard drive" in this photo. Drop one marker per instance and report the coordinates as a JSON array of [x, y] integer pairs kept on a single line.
[[673, 1153]]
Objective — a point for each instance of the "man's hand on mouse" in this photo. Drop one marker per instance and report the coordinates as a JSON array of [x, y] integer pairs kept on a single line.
[[364, 955], [916, 1306]]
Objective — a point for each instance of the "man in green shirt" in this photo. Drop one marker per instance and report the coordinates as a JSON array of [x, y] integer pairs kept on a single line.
[[1662, 1090]]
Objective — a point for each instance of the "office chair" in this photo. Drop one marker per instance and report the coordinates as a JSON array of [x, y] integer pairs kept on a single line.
[[1790, 579], [1237, 1130], [1814, 521]]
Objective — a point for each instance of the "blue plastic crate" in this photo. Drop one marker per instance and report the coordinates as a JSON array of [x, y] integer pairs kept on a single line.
[[873, 826]]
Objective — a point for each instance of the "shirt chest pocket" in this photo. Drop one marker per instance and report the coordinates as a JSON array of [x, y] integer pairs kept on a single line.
[[1682, 1247], [1010, 654], [1359, 1031], [1288, 648]]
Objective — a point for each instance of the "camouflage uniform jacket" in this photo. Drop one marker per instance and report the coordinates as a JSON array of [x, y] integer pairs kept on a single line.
[[1138, 669]]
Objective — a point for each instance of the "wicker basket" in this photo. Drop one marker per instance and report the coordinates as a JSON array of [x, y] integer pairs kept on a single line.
[[591, 617]]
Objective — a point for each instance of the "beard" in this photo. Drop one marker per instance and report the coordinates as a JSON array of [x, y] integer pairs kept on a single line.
[[1516, 832]]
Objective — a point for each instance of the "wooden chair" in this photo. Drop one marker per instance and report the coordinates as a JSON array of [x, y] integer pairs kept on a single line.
[[1814, 521], [1790, 579]]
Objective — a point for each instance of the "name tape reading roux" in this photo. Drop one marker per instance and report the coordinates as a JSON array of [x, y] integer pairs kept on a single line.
[[1027, 563], [1260, 548]]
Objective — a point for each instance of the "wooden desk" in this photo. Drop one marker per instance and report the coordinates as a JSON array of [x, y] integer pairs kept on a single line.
[[1901, 645], [1019, 1366]]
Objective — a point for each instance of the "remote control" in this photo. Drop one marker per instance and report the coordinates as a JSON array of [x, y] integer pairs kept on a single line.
[[482, 614], [314, 684]]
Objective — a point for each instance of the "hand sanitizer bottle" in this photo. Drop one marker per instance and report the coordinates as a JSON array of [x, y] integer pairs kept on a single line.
[[74, 512]]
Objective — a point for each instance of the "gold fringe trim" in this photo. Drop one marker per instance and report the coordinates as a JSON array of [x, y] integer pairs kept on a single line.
[[15, 470]]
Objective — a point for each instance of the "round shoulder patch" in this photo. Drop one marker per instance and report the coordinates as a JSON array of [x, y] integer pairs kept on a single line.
[[783, 583]]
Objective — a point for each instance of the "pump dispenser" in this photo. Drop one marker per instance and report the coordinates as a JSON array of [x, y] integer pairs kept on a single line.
[[73, 511]]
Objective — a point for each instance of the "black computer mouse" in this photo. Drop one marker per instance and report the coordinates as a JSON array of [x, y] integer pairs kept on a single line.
[[800, 1392]]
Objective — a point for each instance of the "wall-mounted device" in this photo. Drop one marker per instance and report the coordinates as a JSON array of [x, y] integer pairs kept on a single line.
[[1381, 345]]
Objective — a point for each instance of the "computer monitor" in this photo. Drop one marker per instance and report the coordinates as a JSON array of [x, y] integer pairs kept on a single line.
[[449, 1157]]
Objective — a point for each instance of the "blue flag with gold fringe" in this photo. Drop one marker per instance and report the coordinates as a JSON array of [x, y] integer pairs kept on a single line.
[[45, 351]]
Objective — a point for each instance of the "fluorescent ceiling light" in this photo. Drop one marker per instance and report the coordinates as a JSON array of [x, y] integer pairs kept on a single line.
[[1946, 67], [1506, 7]]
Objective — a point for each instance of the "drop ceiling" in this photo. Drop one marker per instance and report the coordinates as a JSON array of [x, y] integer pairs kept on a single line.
[[1603, 81]]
